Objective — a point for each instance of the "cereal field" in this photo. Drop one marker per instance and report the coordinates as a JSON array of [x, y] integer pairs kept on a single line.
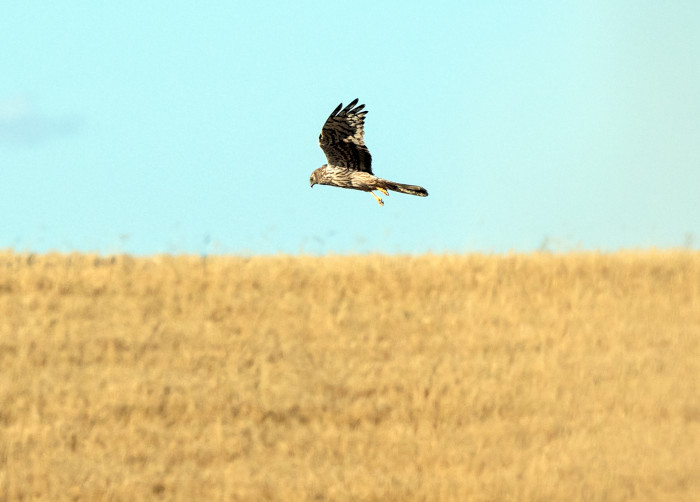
[[440, 377]]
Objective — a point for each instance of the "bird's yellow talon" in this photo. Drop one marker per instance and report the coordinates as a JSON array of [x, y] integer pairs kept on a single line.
[[379, 199], [383, 190]]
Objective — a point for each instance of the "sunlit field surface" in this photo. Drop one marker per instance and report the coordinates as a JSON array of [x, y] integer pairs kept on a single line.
[[471, 378]]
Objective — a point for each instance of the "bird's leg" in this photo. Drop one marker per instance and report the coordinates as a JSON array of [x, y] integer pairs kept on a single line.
[[383, 190], [379, 199]]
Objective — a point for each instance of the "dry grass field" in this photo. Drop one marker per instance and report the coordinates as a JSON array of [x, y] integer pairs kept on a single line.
[[470, 378]]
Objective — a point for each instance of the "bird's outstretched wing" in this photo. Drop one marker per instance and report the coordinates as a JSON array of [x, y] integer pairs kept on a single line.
[[342, 140]]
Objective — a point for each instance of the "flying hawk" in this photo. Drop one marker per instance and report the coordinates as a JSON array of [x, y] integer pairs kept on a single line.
[[349, 161]]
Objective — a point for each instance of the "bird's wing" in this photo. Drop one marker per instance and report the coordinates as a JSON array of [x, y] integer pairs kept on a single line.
[[342, 140]]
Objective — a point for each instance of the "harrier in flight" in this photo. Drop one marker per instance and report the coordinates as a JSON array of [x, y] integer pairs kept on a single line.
[[349, 161]]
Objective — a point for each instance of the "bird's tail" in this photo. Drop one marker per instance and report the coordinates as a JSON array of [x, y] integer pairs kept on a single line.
[[409, 189]]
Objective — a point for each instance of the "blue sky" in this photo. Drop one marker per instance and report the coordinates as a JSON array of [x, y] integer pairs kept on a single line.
[[192, 127]]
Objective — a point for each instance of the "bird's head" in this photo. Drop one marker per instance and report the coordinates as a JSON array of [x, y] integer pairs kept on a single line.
[[316, 176]]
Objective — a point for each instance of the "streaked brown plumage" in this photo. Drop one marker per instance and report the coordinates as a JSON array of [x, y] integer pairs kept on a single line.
[[349, 161]]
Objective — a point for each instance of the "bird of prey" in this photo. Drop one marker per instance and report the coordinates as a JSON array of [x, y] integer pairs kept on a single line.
[[349, 161]]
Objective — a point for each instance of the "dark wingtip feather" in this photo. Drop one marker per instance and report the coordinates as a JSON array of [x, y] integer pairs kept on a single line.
[[337, 109], [348, 108], [350, 105]]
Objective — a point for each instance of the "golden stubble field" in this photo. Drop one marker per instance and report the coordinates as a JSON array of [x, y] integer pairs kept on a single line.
[[480, 378]]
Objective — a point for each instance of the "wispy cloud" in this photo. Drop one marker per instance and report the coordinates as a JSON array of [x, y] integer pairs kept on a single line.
[[22, 123]]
